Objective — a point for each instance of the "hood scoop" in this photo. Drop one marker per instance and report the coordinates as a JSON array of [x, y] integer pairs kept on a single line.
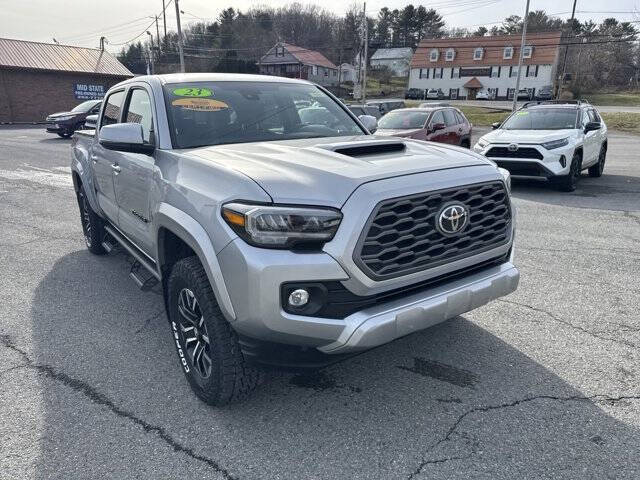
[[365, 149]]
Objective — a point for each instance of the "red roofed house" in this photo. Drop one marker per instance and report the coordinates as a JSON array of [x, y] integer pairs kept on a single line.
[[286, 60]]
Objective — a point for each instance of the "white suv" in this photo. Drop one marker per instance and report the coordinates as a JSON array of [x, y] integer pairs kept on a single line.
[[556, 140]]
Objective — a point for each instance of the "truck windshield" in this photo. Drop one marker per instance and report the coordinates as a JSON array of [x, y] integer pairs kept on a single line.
[[215, 113], [402, 120], [542, 119]]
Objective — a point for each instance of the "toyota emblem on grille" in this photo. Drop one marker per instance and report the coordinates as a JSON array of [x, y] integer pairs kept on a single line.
[[452, 219], [512, 147]]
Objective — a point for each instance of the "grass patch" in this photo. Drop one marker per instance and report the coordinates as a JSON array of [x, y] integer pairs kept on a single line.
[[614, 99], [623, 121]]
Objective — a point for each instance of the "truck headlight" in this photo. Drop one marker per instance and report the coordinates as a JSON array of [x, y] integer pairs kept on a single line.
[[506, 175], [556, 143], [272, 226], [480, 145]]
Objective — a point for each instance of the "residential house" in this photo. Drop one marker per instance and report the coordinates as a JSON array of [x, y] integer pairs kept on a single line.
[[290, 61], [397, 59]]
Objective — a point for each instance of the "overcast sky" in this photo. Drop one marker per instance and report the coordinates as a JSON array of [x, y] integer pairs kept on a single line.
[[82, 22]]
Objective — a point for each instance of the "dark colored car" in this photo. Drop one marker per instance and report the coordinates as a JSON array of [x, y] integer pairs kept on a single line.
[[545, 93], [385, 106], [65, 123], [444, 125], [414, 93], [358, 110]]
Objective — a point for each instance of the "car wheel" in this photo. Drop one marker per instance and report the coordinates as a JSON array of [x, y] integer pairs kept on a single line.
[[597, 169], [65, 134], [465, 144], [92, 225], [569, 182], [207, 346]]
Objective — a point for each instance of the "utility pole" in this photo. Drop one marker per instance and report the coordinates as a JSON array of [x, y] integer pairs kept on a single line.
[[157, 34], [164, 18], [566, 48], [522, 43], [151, 51], [366, 48], [180, 45]]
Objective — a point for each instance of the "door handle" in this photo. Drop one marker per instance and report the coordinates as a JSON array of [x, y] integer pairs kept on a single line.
[[116, 168]]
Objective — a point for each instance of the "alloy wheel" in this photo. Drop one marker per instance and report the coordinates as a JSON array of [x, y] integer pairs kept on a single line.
[[193, 330], [86, 220]]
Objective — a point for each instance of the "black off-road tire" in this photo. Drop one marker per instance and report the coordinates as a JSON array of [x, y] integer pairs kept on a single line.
[[92, 225], [465, 143], [568, 183], [597, 169], [230, 379]]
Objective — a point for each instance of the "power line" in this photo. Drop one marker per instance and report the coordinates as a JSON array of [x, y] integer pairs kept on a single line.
[[143, 31]]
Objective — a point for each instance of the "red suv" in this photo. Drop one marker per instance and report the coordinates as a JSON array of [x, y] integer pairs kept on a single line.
[[439, 124]]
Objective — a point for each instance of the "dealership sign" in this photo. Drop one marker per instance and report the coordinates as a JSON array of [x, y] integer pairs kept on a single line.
[[84, 91], [475, 72]]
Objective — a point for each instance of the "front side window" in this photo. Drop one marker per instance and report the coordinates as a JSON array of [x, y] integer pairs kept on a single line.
[[541, 119], [437, 117], [244, 112], [403, 120], [450, 118], [139, 111], [112, 108]]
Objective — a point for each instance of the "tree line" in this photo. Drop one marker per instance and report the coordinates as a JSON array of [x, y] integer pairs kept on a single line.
[[235, 41]]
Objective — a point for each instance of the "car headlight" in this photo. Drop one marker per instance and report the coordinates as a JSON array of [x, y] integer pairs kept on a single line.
[[273, 226], [62, 119], [556, 143], [507, 177], [482, 143]]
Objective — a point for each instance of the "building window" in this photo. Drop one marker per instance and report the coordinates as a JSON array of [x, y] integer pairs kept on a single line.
[[495, 72], [453, 93], [513, 71], [527, 51], [493, 93], [510, 92], [433, 56], [450, 55], [279, 51], [424, 72], [455, 72], [532, 70], [478, 53], [507, 53], [437, 73]]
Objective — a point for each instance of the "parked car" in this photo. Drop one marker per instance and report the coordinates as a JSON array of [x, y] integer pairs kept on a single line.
[[358, 110], [414, 94], [485, 95], [65, 123], [444, 125], [524, 94], [435, 94], [283, 243], [553, 140], [385, 106], [545, 93]]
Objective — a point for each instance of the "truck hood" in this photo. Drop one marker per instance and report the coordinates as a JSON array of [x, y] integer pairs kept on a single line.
[[397, 132], [326, 171], [526, 136]]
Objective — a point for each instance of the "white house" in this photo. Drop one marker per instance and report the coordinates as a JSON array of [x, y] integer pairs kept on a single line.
[[462, 67], [397, 59], [348, 73]]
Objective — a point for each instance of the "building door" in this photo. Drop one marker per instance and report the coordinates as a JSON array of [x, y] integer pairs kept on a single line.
[[472, 92], [453, 93]]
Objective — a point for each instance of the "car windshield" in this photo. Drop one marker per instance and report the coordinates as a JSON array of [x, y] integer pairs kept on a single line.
[[215, 113], [401, 120], [85, 106], [541, 119]]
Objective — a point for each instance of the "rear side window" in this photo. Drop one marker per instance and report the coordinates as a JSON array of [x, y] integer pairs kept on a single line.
[[450, 118], [139, 111], [460, 117], [112, 107], [357, 111]]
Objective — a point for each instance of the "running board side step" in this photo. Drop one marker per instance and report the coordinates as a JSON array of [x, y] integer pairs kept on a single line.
[[138, 256]]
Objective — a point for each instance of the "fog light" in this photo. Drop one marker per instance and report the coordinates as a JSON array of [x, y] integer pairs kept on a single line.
[[563, 161], [298, 298]]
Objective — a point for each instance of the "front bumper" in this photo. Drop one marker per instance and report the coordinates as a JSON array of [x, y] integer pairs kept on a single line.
[[550, 165], [254, 277]]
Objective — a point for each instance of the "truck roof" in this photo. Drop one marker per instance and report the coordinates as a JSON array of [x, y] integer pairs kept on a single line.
[[212, 77]]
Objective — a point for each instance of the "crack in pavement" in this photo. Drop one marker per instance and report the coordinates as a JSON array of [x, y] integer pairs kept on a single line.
[[569, 324], [98, 398], [487, 408]]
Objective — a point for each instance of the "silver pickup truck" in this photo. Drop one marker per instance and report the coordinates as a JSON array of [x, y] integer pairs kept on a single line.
[[281, 232]]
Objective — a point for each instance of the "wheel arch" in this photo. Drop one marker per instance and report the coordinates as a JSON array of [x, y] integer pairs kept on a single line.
[[179, 235]]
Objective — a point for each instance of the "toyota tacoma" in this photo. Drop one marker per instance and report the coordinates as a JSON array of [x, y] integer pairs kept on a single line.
[[279, 242]]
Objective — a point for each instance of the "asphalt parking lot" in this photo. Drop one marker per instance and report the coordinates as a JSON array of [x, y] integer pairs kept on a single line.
[[541, 384]]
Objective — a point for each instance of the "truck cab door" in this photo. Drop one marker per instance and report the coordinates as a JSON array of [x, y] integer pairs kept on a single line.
[[132, 180], [104, 160]]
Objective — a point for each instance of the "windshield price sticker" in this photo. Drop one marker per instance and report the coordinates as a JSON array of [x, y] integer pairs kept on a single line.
[[200, 104], [522, 113], [192, 92]]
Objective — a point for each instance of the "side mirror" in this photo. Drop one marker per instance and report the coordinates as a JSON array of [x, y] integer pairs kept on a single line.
[[91, 121], [437, 126], [495, 125], [124, 137], [591, 126], [369, 122]]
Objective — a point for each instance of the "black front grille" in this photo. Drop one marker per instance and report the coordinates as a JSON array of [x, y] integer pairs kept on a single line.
[[522, 152], [401, 236]]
